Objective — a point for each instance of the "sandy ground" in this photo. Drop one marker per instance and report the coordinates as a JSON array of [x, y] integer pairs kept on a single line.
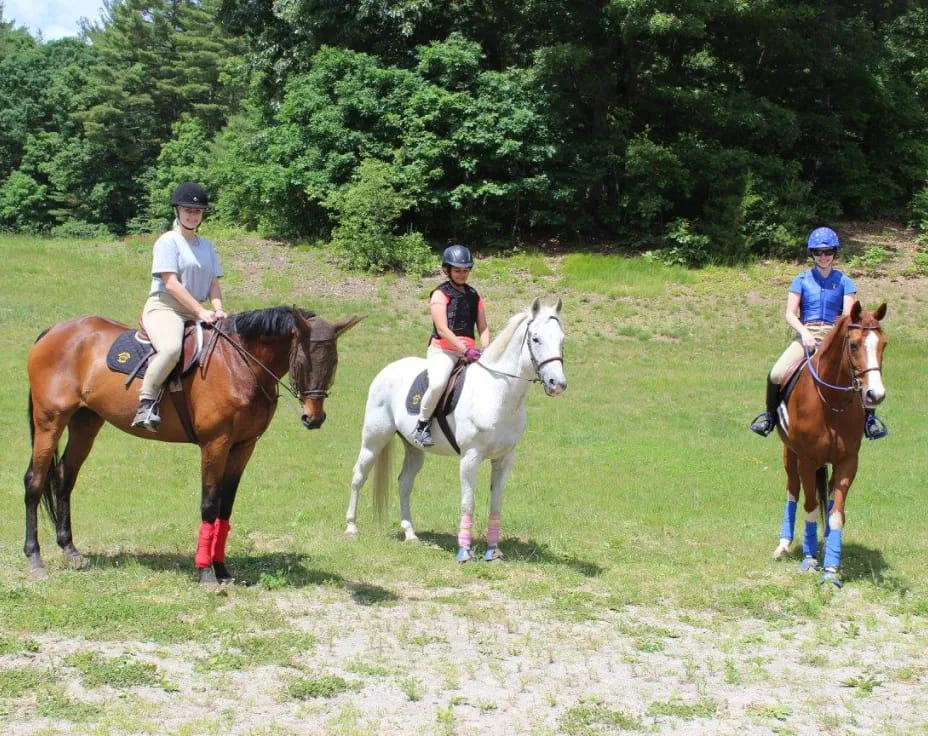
[[494, 665]]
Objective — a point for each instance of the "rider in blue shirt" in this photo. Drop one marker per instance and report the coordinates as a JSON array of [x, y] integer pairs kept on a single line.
[[816, 299]]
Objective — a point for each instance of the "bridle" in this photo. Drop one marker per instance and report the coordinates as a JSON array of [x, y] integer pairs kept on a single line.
[[292, 388], [536, 364], [857, 383]]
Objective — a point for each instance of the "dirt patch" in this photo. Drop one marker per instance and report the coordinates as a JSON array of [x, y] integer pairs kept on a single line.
[[487, 663]]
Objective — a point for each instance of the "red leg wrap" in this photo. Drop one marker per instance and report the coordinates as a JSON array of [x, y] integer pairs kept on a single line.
[[204, 556], [220, 533]]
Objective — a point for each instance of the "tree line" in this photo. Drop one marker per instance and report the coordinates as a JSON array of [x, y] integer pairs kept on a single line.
[[706, 130]]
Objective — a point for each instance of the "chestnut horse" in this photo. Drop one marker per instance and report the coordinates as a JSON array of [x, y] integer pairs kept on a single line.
[[823, 424], [231, 397]]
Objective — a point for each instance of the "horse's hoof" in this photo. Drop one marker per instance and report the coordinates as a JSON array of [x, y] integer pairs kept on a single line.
[[410, 537], [351, 534], [781, 552], [493, 554], [38, 572], [208, 580], [464, 554], [831, 576], [77, 562], [223, 576], [808, 564]]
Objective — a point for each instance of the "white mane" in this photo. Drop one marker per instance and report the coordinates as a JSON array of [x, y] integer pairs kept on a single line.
[[499, 344]]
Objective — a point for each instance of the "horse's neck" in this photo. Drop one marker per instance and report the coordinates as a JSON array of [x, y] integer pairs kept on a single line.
[[514, 361], [272, 352], [832, 358]]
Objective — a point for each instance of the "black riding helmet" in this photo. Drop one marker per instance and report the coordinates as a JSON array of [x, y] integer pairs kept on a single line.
[[457, 256], [190, 195]]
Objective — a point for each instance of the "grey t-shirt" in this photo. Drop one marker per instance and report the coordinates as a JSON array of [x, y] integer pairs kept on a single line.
[[194, 263]]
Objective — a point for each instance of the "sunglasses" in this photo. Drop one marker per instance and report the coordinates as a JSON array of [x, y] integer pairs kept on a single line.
[[826, 252]]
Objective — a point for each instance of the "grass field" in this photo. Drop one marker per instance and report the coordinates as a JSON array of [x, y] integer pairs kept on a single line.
[[638, 498]]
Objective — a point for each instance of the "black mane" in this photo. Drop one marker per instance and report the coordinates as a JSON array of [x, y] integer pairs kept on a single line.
[[271, 321]]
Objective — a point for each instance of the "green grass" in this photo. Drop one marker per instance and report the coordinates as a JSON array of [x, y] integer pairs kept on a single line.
[[639, 486]]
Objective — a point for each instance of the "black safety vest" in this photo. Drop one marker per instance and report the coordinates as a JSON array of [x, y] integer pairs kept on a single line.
[[462, 309]]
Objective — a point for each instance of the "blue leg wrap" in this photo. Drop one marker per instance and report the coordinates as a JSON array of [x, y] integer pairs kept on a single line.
[[833, 549], [810, 540], [789, 519], [464, 554]]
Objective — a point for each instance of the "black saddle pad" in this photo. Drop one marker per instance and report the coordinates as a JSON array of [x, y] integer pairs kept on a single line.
[[127, 352], [421, 383]]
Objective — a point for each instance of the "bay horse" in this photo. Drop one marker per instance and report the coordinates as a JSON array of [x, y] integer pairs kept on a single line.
[[231, 397], [487, 422], [824, 424]]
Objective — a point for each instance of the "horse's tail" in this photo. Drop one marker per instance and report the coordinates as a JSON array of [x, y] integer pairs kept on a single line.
[[821, 491], [383, 472], [50, 491]]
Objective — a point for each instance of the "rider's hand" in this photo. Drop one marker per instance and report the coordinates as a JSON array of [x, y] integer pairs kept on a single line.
[[472, 355], [207, 315], [220, 313], [808, 341]]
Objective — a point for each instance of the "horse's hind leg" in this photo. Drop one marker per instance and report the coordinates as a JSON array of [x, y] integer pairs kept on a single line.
[[42, 479], [82, 431], [412, 464], [788, 525], [372, 450]]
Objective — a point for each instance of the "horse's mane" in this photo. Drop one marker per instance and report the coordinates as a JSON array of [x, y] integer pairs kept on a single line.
[[498, 345], [836, 333], [272, 321]]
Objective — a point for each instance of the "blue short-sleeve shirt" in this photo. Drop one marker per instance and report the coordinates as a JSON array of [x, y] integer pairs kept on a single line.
[[821, 299], [195, 264]]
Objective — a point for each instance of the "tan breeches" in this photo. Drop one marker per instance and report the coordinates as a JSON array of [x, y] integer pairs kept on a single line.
[[795, 353], [163, 318]]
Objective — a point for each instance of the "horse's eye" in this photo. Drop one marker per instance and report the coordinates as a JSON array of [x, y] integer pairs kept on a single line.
[[854, 347], [535, 339]]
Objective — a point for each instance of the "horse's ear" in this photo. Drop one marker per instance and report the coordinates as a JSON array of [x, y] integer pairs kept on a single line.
[[855, 311], [536, 305], [558, 306], [302, 324], [880, 312], [347, 323]]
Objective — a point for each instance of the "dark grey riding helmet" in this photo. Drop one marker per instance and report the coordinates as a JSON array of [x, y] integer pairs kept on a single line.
[[457, 256], [190, 195]]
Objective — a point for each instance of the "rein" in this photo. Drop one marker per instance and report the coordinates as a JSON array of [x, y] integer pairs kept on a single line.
[[535, 363]]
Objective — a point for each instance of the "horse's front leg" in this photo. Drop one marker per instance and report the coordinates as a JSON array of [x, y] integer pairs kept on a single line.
[[235, 466], [807, 474], [842, 476], [470, 462], [499, 473], [213, 459], [790, 464]]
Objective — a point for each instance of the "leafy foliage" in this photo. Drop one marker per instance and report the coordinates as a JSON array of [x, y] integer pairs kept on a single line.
[[702, 132]]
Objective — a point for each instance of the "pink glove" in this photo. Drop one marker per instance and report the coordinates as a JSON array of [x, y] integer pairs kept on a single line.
[[472, 355]]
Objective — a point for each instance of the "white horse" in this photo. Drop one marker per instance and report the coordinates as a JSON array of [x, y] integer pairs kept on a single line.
[[487, 422]]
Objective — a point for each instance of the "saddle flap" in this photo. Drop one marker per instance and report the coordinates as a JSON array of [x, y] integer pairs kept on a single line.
[[131, 350], [449, 397]]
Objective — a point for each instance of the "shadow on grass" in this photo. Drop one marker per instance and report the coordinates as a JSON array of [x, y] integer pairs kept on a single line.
[[859, 563], [517, 550], [273, 571]]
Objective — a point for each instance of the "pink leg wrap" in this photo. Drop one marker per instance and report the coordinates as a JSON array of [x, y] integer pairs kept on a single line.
[[493, 531], [220, 533], [204, 557], [464, 538]]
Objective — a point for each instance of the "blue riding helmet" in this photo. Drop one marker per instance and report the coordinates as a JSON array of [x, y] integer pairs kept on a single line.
[[457, 256], [822, 238]]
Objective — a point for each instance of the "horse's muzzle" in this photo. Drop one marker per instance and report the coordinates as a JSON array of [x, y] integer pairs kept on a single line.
[[873, 399], [313, 422], [554, 387]]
